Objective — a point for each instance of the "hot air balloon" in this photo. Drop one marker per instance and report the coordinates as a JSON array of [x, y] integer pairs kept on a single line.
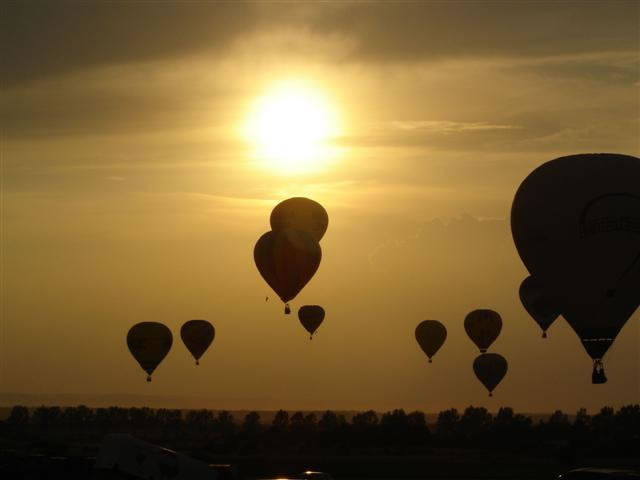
[[483, 327], [542, 307], [311, 316], [430, 335], [301, 214], [490, 368], [576, 225], [197, 335], [287, 259], [149, 343]]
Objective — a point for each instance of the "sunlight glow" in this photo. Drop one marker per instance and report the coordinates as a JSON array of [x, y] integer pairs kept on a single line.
[[291, 127]]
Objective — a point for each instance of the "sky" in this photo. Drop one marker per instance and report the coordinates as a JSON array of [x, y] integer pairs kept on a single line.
[[131, 191]]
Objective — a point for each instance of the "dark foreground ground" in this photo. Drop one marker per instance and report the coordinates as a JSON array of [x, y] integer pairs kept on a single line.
[[438, 464], [55, 442]]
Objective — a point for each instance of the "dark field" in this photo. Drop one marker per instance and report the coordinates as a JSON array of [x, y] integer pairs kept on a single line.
[[54, 442]]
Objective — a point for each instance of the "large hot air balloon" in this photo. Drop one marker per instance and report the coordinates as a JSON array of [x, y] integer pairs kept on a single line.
[[287, 259], [311, 316], [302, 214], [149, 343], [483, 327], [490, 368], [197, 335], [576, 225], [430, 335], [543, 308]]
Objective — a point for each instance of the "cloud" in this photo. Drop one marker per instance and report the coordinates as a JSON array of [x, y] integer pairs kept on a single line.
[[409, 31], [42, 38], [446, 126]]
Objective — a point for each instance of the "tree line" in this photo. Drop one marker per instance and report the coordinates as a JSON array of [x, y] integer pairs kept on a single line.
[[394, 431]]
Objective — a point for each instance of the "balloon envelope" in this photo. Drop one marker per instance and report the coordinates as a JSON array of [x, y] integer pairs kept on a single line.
[[542, 307], [311, 316], [149, 343], [490, 368], [287, 260], [483, 327], [430, 335], [597, 325], [575, 222], [197, 335], [301, 214]]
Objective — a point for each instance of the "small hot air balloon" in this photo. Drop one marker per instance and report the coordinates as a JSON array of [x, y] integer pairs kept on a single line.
[[483, 327], [543, 308], [149, 343], [197, 335], [311, 316], [301, 214], [490, 368], [287, 260], [430, 335], [575, 222]]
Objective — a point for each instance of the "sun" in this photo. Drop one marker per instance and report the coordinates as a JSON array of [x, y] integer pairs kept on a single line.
[[291, 128]]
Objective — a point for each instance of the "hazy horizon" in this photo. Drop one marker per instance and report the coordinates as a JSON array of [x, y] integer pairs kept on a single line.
[[131, 191]]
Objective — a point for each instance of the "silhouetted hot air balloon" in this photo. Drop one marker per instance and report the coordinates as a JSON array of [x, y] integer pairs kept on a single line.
[[311, 316], [490, 368], [287, 259], [483, 327], [430, 335], [149, 343], [301, 214], [197, 335], [576, 225], [543, 308]]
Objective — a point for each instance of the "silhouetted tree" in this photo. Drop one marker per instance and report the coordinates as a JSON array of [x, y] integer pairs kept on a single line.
[[117, 419], [140, 419], [310, 423], [521, 427], [604, 424], [417, 421], [475, 422], [251, 425], [101, 420], [582, 420], [447, 423], [581, 427], [296, 422], [418, 429], [19, 416], [365, 420], [328, 421], [503, 424], [627, 421], [394, 425], [280, 421], [224, 422], [45, 417], [558, 425], [199, 423]]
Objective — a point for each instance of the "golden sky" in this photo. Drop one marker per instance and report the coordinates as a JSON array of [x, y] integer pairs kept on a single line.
[[131, 191]]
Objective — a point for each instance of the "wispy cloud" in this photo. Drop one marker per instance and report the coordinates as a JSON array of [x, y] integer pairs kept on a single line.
[[447, 126]]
